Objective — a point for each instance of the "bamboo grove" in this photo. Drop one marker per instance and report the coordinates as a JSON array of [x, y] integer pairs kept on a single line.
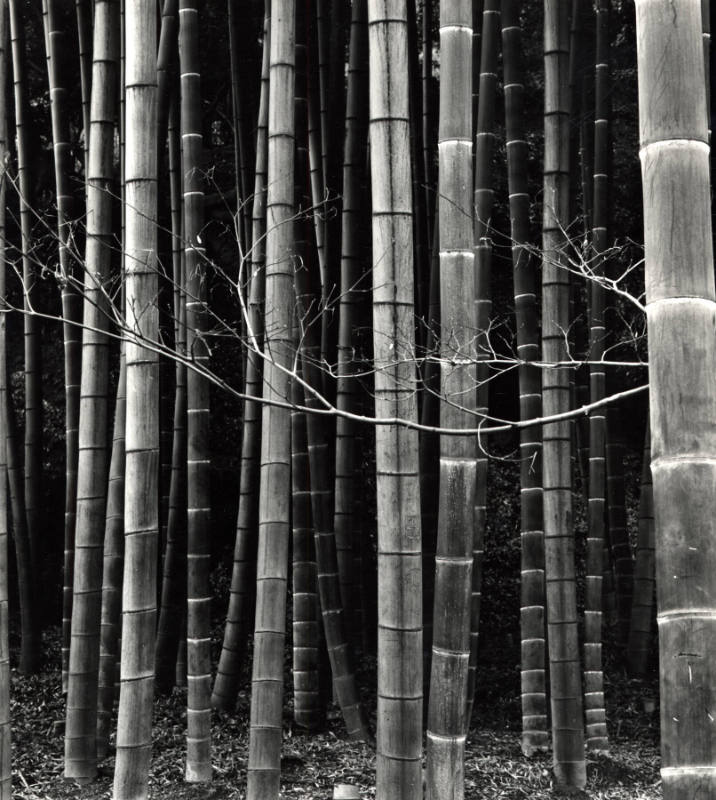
[[386, 232]]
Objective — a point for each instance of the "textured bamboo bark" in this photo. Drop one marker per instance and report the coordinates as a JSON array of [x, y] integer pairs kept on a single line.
[[564, 668], [141, 491], [594, 709], [173, 599], [484, 198], [113, 563], [641, 631], [447, 724], [198, 757], [244, 564], [55, 38], [5, 754], [272, 565], [81, 726], [400, 680], [681, 308], [352, 277], [429, 127], [305, 626], [31, 326], [532, 588]]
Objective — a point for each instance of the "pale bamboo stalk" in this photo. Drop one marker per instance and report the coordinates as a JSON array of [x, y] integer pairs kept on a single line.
[[641, 630], [113, 563], [564, 668], [594, 709], [92, 465], [400, 680], [31, 327], [55, 39], [141, 490], [5, 721], [532, 587], [681, 305], [244, 563], [446, 731], [264, 767]]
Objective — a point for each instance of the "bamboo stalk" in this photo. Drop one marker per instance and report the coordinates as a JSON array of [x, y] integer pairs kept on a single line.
[[92, 466], [564, 668], [271, 571], [141, 492], [400, 680], [681, 305], [55, 39], [447, 710], [532, 585]]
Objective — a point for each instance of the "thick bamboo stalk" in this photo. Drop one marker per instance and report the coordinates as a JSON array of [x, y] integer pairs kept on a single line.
[[400, 680], [641, 631], [31, 326], [82, 687], [594, 709], [198, 757], [272, 565], [564, 668], [446, 732], [55, 39], [112, 567], [532, 587], [141, 491], [681, 307], [244, 563]]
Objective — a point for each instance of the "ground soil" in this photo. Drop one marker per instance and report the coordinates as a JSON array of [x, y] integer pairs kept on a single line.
[[313, 763]]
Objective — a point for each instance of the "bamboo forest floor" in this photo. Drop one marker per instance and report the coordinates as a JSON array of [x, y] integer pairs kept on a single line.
[[314, 762]]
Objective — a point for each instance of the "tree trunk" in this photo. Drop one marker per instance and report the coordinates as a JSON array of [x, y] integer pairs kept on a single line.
[[532, 589], [448, 704], [56, 40], [400, 680], [141, 491], [198, 758], [681, 306], [81, 728], [594, 711], [264, 768], [565, 674]]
